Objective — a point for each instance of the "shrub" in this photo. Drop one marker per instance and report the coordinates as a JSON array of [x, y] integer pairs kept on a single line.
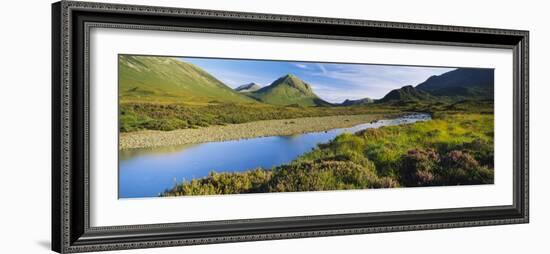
[[223, 183], [298, 176], [417, 167], [345, 147], [458, 168], [482, 150], [326, 175]]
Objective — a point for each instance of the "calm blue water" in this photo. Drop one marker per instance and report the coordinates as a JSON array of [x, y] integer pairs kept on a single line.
[[148, 172]]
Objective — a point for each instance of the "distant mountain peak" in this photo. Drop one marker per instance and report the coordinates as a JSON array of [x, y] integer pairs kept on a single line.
[[250, 87], [294, 82], [362, 101], [288, 89], [461, 82], [290, 76], [406, 93]]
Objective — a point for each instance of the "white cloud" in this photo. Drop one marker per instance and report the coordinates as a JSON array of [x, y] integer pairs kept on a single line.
[[235, 79], [373, 81], [334, 94], [301, 66], [322, 68]]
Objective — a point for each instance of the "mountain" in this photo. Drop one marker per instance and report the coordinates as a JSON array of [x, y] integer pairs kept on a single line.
[[363, 101], [288, 90], [166, 79], [250, 87], [462, 82], [406, 93], [458, 84]]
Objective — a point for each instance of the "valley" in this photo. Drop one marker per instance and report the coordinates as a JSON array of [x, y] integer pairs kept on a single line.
[[173, 109]]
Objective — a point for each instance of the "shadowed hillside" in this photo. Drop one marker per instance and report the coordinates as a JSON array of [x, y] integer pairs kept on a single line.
[[406, 93], [455, 85], [462, 82]]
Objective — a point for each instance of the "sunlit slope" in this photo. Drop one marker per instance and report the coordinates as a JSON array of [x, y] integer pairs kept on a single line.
[[168, 80], [289, 90]]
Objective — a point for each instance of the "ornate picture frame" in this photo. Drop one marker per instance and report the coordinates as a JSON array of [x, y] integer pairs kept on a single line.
[[71, 197]]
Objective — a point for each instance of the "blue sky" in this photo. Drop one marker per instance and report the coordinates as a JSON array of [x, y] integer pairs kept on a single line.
[[330, 81]]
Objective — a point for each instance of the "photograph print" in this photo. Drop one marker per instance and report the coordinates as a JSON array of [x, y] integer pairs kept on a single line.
[[211, 126]]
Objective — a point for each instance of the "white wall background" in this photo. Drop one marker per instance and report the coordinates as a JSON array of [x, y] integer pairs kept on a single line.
[[25, 125]]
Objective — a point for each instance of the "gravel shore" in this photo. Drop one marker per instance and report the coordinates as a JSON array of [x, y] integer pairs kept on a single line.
[[145, 139]]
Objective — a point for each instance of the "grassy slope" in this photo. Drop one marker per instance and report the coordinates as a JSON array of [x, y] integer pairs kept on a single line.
[[455, 148], [461, 83], [287, 90], [168, 80], [407, 93]]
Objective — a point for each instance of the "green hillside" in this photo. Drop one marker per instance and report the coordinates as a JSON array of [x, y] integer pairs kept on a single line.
[[168, 80], [461, 83], [288, 90], [406, 93], [456, 85]]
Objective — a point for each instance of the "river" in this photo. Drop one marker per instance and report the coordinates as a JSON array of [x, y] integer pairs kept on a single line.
[[149, 171]]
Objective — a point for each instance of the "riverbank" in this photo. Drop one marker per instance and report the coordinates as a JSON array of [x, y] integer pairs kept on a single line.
[[147, 139], [452, 149]]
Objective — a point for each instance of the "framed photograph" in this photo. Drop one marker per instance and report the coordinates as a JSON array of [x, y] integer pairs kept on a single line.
[[181, 126]]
